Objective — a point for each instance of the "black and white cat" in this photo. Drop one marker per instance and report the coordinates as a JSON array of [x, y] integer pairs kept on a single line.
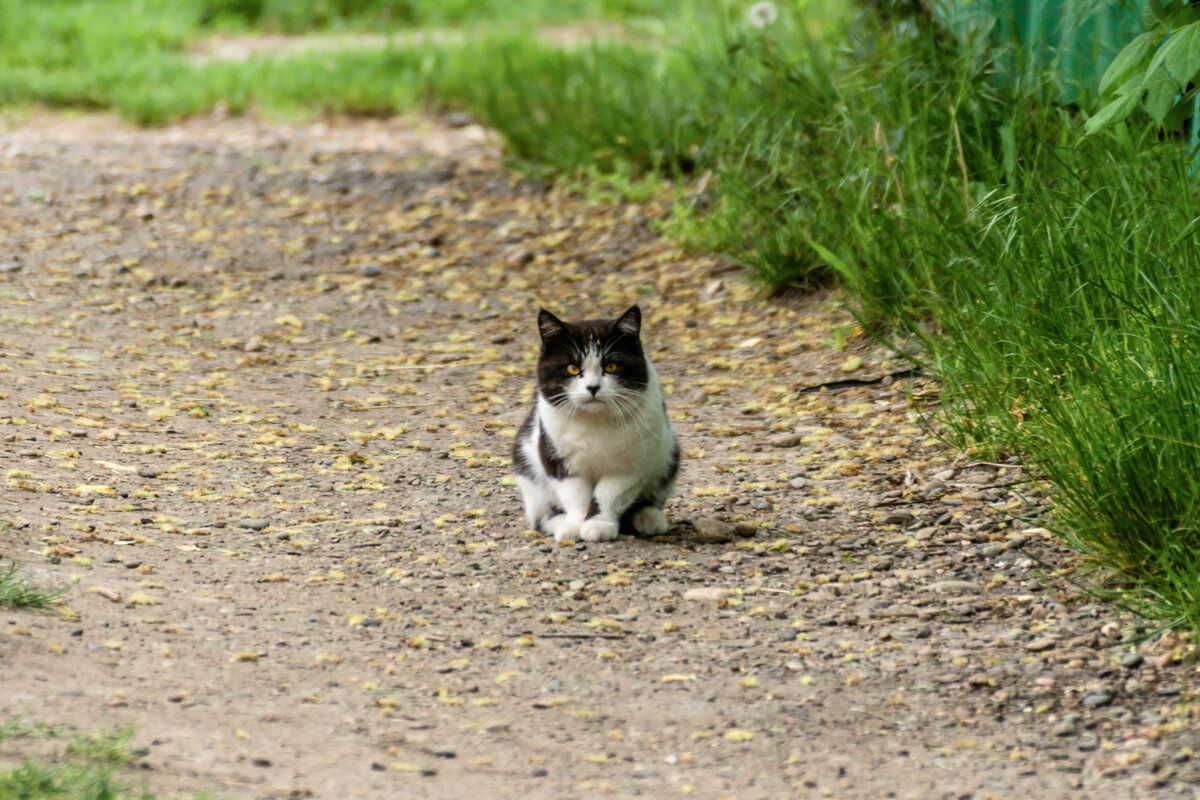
[[596, 452]]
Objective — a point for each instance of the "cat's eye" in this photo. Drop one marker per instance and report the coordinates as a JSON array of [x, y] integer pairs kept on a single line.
[[572, 369], [610, 367]]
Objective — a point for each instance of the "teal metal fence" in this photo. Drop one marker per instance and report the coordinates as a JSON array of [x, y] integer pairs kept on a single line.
[[1076, 39]]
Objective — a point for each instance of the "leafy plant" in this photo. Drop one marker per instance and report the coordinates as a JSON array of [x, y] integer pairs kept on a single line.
[[1157, 71]]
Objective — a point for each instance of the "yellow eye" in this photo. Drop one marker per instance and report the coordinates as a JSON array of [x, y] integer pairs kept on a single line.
[[610, 367], [572, 369]]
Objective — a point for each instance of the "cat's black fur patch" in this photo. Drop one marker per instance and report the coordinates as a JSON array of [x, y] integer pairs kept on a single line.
[[521, 464], [564, 344], [553, 465]]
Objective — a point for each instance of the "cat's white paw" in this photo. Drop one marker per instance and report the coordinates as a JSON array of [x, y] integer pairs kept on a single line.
[[598, 529], [562, 528], [650, 521]]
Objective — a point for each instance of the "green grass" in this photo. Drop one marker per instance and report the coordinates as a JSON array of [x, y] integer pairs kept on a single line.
[[17, 592], [88, 770]]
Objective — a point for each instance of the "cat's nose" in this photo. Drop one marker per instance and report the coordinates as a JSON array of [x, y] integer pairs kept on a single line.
[[593, 390]]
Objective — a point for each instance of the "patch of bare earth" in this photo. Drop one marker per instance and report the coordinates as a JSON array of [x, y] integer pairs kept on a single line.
[[258, 385], [246, 46]]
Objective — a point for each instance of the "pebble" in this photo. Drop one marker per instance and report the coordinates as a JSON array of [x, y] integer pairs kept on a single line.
[[1041, 643], [1067, 726], [786, 635], [371, 270], [785, 440], [254, 524], [500, 338], [758, 504], [146, 472], [1100, 697], [1132, 660], [897, 518], [745, 529], [953, 587], [710, 530], [518, 257], [837, 440], [706, 593], [798, 483]]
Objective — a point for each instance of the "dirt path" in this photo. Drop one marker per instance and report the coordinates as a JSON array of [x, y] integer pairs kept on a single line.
[[258, 388]]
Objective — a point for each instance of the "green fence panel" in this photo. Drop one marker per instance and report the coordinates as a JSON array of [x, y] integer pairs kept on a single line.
[[1076, 39]]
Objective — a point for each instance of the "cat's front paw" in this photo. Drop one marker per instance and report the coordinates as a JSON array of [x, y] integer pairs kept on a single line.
[[598, 529], [562, 528], [650, 521]]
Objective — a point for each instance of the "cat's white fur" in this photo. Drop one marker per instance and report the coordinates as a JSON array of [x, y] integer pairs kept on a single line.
[[615, 447]]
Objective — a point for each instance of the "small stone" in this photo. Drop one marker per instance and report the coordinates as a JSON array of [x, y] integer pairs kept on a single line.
[[706, 593], [146, 472], [1132, 660], [500, 338], [1066, 727], [786, 636], [710, 530], [897, 518], [1100, 697], [371, 270], [745, 529], [459, 119], [923, 633], [759, 504], [10, 266], [944, 476], [953, 587], [785, 440], [837, 440], [254, 347], [798, 483], [539, 773], [254, 524], [518, 257], [699, 397], [1041, 643]]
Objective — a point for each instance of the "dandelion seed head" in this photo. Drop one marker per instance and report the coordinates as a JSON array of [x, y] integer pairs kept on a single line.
[[762, 14]]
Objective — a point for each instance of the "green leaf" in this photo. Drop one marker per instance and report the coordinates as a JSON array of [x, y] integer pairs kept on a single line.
[[1113, 113], [1180, 54], [1161, 93], [1180, 113], [1130, 60]]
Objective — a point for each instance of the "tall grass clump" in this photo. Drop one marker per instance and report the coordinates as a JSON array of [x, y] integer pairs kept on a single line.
[[1050, 277], [1070, 331]]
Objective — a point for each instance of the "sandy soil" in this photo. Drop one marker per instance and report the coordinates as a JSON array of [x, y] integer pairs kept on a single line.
[[258, 384]]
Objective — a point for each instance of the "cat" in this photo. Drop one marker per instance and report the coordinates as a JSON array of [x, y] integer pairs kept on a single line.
[[596, 454]]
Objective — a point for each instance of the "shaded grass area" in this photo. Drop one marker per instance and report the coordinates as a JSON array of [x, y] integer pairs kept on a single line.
[[1049, 277]]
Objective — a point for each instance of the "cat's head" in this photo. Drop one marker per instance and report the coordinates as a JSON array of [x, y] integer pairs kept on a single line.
[[593, 365]]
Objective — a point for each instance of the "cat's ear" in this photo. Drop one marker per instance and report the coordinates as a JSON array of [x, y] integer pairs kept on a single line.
[[549, 325], [630, 323]]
